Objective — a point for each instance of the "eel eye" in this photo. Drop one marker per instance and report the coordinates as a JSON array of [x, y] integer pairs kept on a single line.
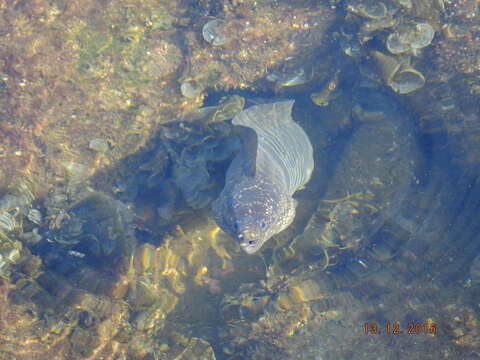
[[263, 226]]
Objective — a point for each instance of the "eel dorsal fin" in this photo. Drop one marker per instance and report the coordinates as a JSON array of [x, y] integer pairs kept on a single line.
[[280, 139]]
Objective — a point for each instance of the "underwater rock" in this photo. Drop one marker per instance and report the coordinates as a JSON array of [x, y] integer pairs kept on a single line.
[[457, 50], [197, 349], [463, 11], [166, 59], [191, 89], [99, 145], [440, 86], [267, 317], [275, 161], [447, 107], [81, 309], [251, 40], [370, 181], [104, 225], [429, 11]]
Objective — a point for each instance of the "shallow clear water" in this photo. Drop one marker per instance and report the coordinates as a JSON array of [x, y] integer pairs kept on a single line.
[[116, 137]]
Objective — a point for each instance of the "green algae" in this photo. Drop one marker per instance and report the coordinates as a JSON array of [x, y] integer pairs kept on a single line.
[[116, 47], [118, 56]]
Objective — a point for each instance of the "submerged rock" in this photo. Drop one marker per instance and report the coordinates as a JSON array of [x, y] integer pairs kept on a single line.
[[371, 180]]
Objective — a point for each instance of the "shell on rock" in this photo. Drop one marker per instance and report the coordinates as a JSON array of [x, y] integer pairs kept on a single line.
[[212, 32]]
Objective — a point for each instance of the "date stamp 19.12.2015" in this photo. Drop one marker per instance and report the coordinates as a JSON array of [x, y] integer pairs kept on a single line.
[[395, 328]]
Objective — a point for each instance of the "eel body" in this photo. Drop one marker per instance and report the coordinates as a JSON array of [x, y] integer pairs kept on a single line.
[[275, 160]]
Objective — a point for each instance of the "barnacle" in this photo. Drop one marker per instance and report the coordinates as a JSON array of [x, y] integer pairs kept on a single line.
[[212, 32], [368, 8], [398, 75], [410, 39]]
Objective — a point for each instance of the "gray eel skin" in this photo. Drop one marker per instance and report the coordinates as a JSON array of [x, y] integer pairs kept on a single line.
[[275, 160]]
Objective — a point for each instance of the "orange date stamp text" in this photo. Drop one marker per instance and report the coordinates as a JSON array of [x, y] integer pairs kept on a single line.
[[395, 328]]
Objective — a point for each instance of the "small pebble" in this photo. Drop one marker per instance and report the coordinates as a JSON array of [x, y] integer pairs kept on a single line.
[[99, 145]]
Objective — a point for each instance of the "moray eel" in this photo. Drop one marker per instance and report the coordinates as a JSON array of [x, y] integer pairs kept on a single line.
[[274, 161]]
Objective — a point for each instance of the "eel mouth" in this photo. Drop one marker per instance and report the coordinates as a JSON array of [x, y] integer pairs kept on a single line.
[[249, 246]]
